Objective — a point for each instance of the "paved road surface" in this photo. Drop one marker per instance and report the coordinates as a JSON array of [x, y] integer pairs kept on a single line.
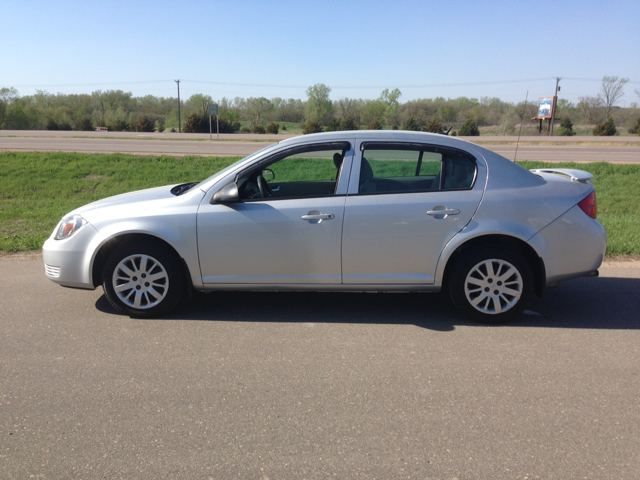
[[304, 385], [247, 144]]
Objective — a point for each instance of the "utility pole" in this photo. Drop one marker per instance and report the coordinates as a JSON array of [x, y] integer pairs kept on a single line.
[[555, 102], [179, 127]]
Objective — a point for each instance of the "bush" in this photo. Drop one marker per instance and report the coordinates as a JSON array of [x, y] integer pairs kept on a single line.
[[412, 125], [605, 129], [258, 129], [311, 126], [394, 127], [64, 126], [119, 126], [566, 128], [160, 126], [145, 124], [200, 124], [375, 125], [273, 128], [196, 124], [84, 124], [636, 128], [433, 126], [227, 125], [454, 134], [52, 125], [173, 130], [469, 129], [284, 126], [333, 125], [245, 130], [348, 124]]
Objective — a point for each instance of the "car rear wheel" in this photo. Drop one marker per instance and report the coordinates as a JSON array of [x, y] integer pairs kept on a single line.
[[143, 280], [491, 285]]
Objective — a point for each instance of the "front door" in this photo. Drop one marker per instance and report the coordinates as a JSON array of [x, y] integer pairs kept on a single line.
[[287, 228]]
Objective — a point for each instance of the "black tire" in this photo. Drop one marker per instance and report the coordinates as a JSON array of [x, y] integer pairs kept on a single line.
[[155, 277], [491, 284]]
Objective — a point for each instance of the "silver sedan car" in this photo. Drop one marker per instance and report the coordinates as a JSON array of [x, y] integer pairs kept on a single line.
[[346, 211]]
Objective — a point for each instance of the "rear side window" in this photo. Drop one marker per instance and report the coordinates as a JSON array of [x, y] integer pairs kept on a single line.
[[397, 168]]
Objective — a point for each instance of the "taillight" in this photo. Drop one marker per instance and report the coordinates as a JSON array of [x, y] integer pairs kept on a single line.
[[589, 205]]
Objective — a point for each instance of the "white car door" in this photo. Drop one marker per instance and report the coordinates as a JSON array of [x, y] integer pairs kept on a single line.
[[405, 202], [287, 227]]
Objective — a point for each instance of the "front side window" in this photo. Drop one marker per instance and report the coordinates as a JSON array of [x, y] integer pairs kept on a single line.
[[393, 168], [303, 172]]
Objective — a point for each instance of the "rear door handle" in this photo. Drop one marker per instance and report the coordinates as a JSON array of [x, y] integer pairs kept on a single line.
[[444, 211]]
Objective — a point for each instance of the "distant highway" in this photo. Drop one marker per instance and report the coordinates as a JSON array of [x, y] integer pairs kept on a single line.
[[566, 153], [556, 149]]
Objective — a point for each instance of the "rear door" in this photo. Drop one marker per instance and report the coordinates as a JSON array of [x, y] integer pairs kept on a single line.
[[405, 202]]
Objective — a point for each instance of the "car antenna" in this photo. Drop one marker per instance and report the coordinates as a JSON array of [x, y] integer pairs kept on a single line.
[[521, 121]]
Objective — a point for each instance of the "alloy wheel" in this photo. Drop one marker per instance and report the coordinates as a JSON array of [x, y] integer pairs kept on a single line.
[[140, 281], [493, 286]]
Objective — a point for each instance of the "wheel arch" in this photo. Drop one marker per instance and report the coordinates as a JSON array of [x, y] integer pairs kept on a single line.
[[108, 247], [505, 241]]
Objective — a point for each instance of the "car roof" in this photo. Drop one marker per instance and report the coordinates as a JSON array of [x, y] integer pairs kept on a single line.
[[379, 135]]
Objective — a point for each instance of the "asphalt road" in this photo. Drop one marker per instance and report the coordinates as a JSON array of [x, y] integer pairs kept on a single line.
[[566, 153], [189, 144], [305, 385]]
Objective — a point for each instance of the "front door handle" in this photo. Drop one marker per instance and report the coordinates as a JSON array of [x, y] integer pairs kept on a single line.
[[319, 216], [443, 211]]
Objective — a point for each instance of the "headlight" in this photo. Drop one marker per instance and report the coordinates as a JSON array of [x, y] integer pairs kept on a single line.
[[68, 226]]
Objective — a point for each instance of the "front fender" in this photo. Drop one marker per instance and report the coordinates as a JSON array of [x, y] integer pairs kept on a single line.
[[179, 232]]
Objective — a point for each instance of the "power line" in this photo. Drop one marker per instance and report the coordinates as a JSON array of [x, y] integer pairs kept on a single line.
[[593, 80], [91, 84], [433, 85], [267, 85], [336, 87]]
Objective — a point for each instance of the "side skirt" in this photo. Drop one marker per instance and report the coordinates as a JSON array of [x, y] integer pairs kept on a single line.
[[322, 287]]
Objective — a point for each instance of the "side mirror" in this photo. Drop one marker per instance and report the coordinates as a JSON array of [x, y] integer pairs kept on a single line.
[[268, 174], [227, 194]]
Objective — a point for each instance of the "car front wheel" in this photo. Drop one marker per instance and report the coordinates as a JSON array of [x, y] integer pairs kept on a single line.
[[491, 285], [143, 280]]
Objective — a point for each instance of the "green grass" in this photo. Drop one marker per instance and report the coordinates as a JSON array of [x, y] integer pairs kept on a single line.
[[37, 189], [296, 169]]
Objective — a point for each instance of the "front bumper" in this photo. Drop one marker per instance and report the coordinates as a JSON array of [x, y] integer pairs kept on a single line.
[[68, 262]]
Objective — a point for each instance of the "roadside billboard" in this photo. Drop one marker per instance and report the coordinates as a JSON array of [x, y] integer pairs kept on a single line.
[[545, 107]]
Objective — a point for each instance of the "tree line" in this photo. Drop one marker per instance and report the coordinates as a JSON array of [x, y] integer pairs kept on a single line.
[[121, 111]]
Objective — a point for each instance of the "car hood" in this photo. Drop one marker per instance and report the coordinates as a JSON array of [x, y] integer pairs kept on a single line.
[[128, 200]]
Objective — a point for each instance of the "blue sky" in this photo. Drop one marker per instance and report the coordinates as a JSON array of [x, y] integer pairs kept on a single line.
[[278, 48]]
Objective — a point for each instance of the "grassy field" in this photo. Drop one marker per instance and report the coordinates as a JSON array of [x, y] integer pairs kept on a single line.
[[37, 189]]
